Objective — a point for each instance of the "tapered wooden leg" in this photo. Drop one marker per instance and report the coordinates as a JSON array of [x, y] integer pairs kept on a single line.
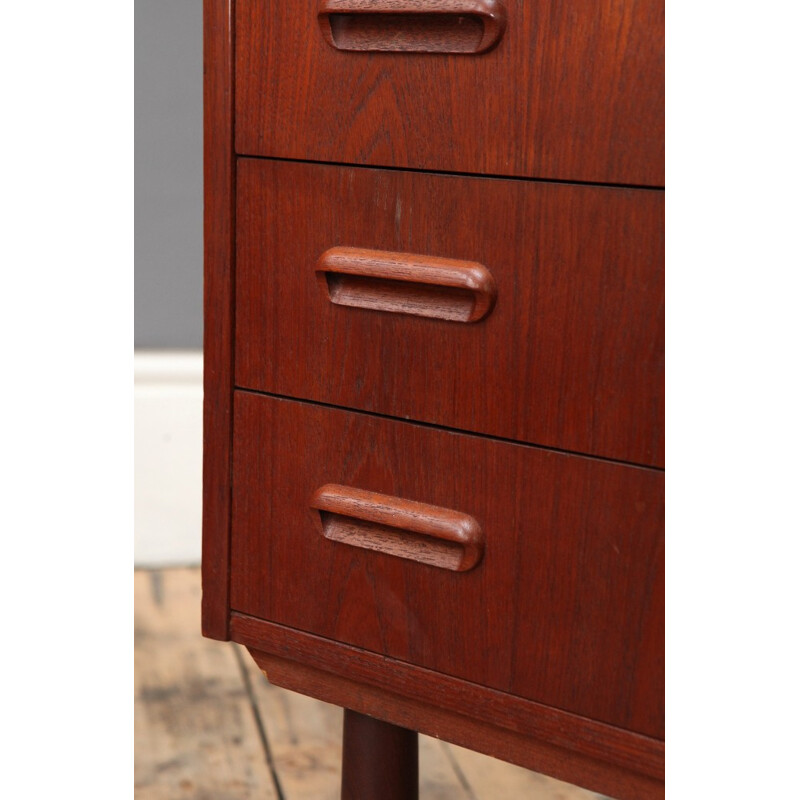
[[379, 760]]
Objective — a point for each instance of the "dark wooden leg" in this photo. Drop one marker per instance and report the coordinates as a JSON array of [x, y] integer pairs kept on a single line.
[[379, 760]]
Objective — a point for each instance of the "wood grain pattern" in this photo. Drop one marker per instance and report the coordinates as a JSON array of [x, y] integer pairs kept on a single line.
[[549, 651], [563, 609], [570, 357], [420, 532], [491, 778], [598, 757], [380, 761], [404, 283], [195, 735], [218, 297], [305, 739], [573, 91], [427, 26], [595, 740]]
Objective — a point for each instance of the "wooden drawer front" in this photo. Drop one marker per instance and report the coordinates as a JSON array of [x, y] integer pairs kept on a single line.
[[564, 605], [570, 355], [572, 91]]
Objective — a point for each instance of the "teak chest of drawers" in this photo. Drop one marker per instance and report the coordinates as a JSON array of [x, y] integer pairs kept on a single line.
[[433, 478]]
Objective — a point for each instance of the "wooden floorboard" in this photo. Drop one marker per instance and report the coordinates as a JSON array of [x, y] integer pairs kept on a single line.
[[209, 725], [194, 729]]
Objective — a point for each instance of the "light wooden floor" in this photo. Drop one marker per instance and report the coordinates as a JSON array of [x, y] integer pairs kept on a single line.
[[209, 726]]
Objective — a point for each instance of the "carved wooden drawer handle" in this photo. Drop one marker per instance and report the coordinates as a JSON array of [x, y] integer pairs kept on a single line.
[[422, 26], [404, 283], [404, 528]]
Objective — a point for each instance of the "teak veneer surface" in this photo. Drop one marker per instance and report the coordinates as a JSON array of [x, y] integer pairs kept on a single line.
[[574, 90], [564, 608], [209, 726], [491, 306], [571, 355], [218, 312], [305, 743], [605, 759]]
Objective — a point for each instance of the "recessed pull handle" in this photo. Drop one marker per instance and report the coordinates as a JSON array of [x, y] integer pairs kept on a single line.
[[405, 283], [421, 26], [404, 528]]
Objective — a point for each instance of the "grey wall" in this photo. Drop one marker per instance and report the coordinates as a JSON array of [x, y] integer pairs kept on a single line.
[[169, 173]]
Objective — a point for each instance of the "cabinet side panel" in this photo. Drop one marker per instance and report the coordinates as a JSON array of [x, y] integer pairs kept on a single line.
[[218, 225]]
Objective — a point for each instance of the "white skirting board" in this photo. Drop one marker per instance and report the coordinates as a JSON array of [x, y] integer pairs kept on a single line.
[[168, 457]]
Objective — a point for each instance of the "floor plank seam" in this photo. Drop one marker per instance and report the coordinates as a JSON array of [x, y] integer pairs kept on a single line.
[[462, 778], [262, 731], [157, 587]]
